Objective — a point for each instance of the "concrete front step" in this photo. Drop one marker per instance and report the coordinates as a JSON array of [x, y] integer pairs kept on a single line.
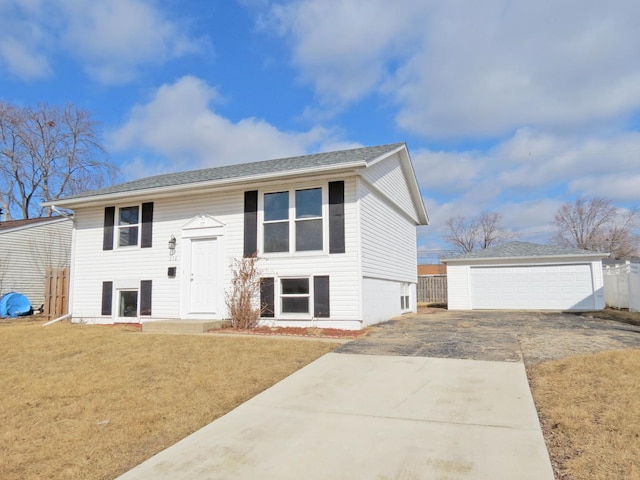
[[181, 326]]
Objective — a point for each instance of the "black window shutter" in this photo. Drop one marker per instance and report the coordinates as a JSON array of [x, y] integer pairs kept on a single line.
[[145, 297], [147, 225], [321, 297], [107, 236], [336, 217], [250, 223], [107, 290], [267, 297]]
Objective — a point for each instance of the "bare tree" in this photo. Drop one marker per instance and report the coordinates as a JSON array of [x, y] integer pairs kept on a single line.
[[46, 153], [468, 234], [596, 224]]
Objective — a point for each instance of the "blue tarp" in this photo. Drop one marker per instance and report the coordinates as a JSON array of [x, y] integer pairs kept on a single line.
[[14, 304]]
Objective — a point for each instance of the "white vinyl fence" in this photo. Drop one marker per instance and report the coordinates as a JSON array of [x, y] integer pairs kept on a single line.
[[622, 286]]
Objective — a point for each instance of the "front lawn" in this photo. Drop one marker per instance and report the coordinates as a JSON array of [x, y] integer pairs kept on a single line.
[[91, 402], [589, 407]]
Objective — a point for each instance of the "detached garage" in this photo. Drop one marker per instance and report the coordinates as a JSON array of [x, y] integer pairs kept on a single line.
[[526, 276]]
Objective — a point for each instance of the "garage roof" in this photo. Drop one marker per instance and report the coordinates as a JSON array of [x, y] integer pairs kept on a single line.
[[524, 250]]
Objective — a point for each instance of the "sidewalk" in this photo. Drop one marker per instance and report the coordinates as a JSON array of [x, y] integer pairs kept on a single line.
[[372, 417]]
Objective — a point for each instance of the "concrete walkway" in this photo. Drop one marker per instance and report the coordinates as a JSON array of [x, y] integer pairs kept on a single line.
[[372, 417]]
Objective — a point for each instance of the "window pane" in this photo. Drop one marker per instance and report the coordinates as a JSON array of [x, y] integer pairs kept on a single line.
[[128, 236], [276, 206], [309, 203], [295, 286], [309, 235], [128, 216], [128, 304], [276, 237], [295, 305]]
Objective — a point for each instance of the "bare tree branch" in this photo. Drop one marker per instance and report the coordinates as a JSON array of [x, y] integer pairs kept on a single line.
[[466, 235], [48, 152], [596, 224]]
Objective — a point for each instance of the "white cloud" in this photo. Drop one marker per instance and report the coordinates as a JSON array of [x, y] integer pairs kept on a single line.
[[526, 177], [112, 39], [23, 42], [21, 62], [179, 125], [475, 69], [342, 46]]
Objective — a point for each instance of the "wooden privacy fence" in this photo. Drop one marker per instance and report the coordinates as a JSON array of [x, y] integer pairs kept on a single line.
[[432, 289], [56, 293]]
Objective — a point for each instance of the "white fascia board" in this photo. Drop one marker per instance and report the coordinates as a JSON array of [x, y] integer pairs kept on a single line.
[[174, 190]]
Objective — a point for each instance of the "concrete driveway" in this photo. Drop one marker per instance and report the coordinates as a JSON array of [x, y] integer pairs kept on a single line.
[[437, 395], [506, 336], [349, 416]]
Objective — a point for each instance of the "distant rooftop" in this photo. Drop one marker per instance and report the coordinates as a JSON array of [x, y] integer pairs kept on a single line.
[[9, 224], [239, 171], [523, 249]]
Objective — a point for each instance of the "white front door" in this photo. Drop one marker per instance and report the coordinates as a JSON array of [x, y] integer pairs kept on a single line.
[[203, 282]]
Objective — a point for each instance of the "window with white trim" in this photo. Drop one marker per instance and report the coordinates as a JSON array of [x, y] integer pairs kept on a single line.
[[295, 295], [128, 227], [293, 221], [404, 296], [127, 303]]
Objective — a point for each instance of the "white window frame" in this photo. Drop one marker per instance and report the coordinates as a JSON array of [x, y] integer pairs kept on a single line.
[[118, 227], [405, 297], [118, 301], [279, 296], [292, 221]]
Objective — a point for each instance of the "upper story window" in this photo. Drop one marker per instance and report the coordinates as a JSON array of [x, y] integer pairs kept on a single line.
[[128, 226], [292, 221]]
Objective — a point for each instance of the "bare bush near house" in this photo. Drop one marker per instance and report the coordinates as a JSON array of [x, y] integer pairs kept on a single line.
[[598, 225], [468, 234], [243, 298]]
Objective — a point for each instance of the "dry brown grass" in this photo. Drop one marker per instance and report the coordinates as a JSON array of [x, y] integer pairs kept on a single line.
[[589, 407], [91, 402]]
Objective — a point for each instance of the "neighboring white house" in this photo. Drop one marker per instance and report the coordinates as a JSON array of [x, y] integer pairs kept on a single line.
[[526, 276], [27, 248], [335, 234]]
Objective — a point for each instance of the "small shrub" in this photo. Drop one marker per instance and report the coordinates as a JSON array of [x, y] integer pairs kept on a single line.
[[243, 298]]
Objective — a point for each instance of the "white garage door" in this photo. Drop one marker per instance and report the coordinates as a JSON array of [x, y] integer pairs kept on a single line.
[[550, 287]]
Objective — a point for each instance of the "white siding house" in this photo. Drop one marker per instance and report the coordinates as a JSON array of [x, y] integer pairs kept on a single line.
[[27, 249], [526, 276], [335, 236]]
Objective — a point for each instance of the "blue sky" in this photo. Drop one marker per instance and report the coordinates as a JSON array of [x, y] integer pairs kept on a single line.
[[513, 107]]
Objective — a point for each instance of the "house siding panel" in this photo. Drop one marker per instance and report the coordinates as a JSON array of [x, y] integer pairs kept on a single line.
[[25, 254], [388, 240], [126, 267], [388, 176]]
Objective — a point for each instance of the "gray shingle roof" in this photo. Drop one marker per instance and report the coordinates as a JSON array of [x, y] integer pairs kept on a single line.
[[365, 154], [523, 249]]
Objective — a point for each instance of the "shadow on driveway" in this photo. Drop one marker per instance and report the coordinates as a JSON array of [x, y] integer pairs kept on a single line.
[[507, 336]]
